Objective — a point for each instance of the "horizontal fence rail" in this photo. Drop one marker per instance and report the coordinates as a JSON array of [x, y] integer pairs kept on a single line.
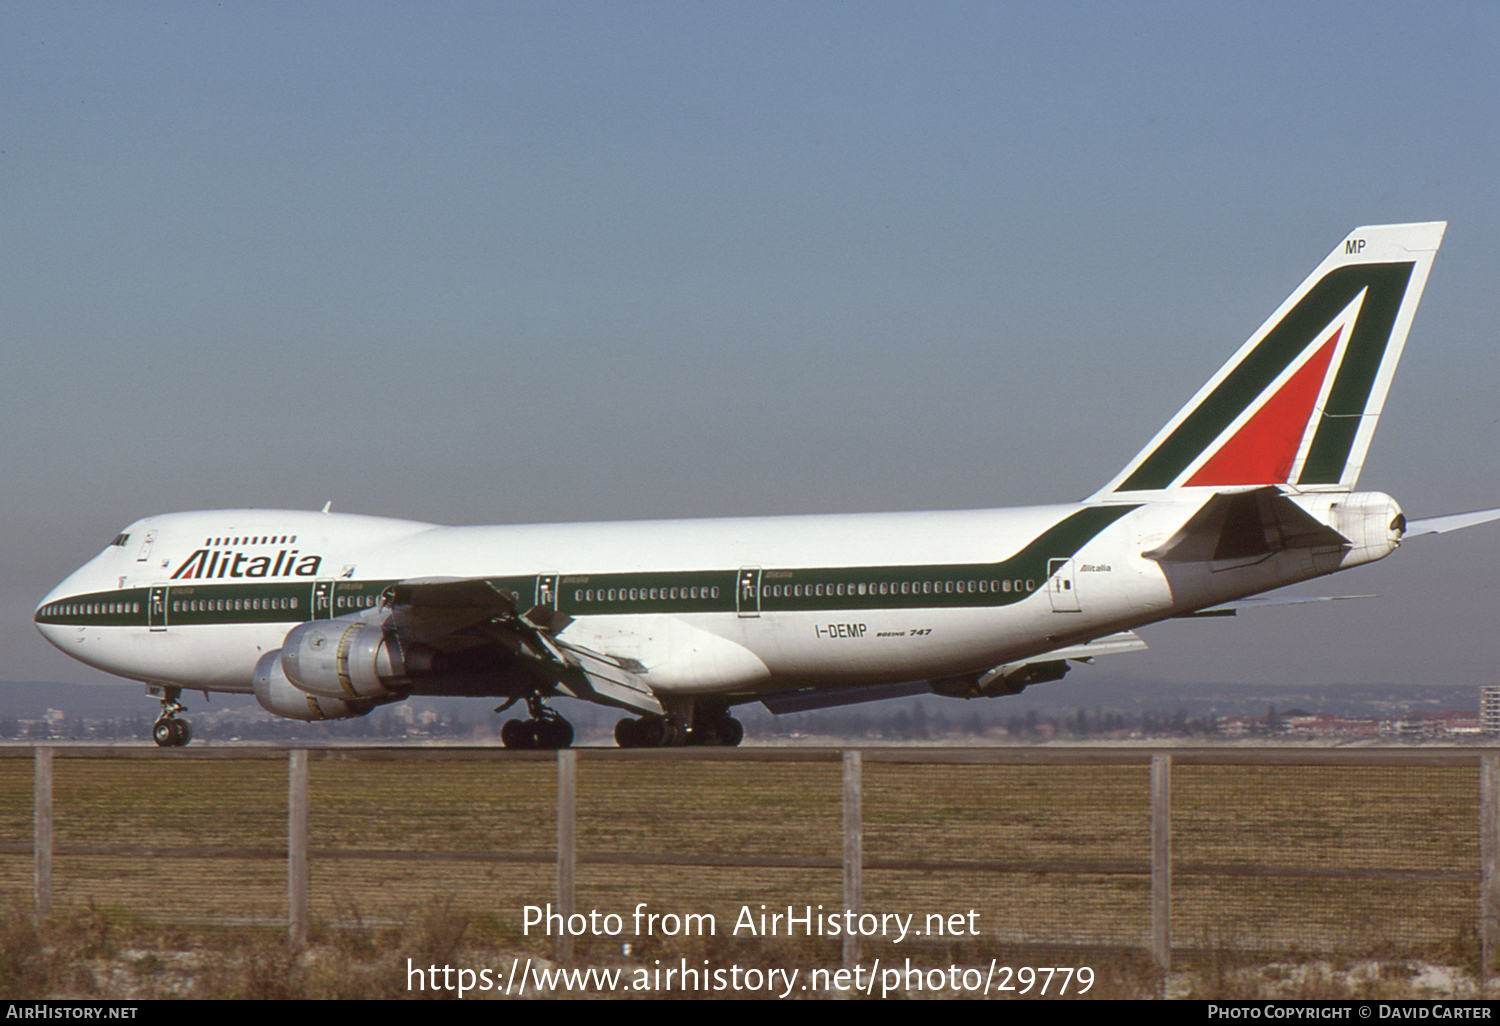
[[1163, 849]]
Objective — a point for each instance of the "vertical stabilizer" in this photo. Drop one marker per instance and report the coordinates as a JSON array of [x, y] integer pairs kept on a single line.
[[1298, 403]]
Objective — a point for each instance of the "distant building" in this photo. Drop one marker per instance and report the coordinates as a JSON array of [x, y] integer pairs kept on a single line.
[[1489, 709], [1457, 723]]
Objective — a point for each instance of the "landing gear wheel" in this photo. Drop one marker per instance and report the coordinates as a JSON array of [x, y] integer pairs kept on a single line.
[[518, 734], [553, 732], [723, 731], [646, 732], [170, 732], [626, 734], [650, 732], [546, 729]]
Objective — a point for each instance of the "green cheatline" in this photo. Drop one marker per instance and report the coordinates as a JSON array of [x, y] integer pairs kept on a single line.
[[654, 592]]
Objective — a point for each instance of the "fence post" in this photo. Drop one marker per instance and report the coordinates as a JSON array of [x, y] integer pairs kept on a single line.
[[41, 831], [854, 856], [1161, 860], [1489, 858], [296, 846], [567, 783]]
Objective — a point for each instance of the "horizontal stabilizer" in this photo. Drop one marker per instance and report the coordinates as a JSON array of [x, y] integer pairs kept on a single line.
[[1230, 608], [1452, 522], [1245, 525]]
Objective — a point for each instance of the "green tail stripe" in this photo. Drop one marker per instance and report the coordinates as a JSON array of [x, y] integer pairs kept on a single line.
[[1350, 395], [1282, 344]]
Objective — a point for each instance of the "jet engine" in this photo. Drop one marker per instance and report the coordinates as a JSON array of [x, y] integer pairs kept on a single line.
[[278, 695], [329, 669], [344, 659]]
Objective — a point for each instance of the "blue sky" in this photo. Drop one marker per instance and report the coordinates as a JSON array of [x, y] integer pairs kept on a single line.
[[490, 263]]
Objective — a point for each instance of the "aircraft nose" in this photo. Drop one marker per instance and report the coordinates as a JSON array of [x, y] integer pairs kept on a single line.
[[53, 612], [50, 629]]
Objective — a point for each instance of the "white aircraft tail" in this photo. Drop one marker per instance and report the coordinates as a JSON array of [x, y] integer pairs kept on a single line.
[[1298, 403]]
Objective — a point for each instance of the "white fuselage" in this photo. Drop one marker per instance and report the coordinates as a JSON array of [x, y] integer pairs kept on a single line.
[[729, 606]]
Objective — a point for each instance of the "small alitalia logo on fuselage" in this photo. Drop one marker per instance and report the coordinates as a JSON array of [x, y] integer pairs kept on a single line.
[[206, 563]]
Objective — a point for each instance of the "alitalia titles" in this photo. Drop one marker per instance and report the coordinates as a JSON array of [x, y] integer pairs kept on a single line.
[[212, 563]]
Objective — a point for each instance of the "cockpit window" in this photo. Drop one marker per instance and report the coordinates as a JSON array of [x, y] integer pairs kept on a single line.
[[120, 539]]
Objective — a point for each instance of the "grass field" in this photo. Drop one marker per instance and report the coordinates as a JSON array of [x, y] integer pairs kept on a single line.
[[1049, 858]]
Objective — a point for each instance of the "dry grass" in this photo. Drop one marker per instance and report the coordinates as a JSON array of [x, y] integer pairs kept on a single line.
[[86, 954], [89, 954], [437, 874]]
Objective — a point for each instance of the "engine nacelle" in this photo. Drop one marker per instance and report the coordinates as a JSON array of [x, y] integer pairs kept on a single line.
[[345, 659], [278, 695]]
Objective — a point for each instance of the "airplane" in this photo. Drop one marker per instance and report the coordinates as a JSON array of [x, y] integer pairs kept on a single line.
[[321, 615]]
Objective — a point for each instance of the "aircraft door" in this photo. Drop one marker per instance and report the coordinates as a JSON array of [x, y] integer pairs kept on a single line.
[[322, 600], [747, 594], [1062, 591], [156, 608], [546, 591]]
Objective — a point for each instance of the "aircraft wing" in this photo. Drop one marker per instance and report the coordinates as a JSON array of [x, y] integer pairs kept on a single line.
[[438, 610], [1452, 522], [1112, 644], [456, 614], [1008, 679]]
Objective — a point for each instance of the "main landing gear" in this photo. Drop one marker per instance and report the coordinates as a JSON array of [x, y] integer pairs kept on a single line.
[[169, 731], [722, 731], [546, 729]]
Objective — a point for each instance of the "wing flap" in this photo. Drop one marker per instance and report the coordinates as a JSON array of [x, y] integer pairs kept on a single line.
[[1111, 644], [609, 680], [455, 613]]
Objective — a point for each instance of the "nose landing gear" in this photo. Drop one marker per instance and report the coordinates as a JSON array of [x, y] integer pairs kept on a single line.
[[168, 731]]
